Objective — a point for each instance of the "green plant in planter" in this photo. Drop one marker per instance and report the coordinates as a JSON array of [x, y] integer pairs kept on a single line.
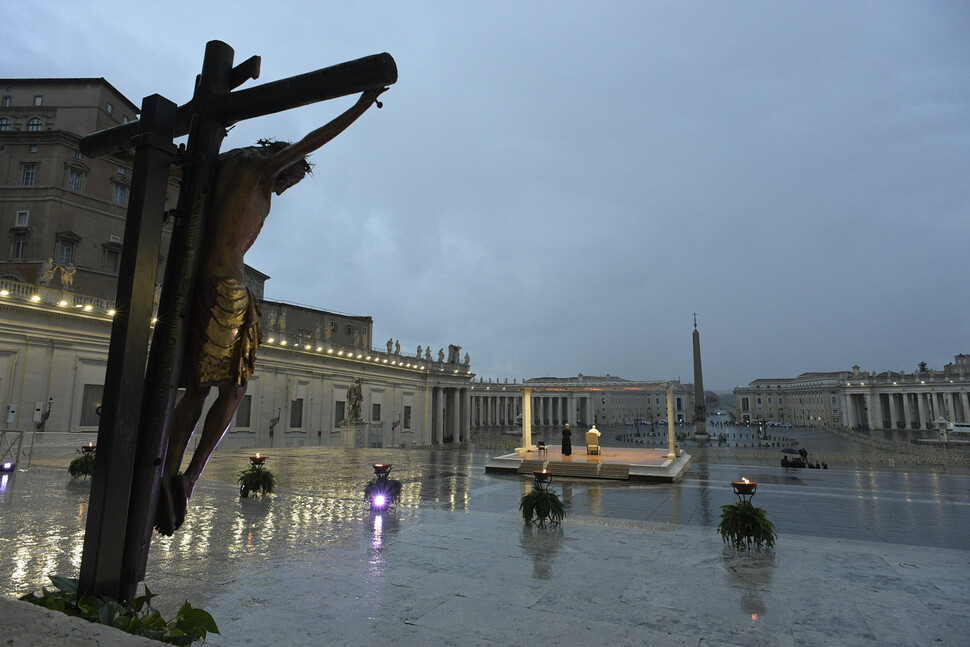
[[255, 480], [83, 465], [137, 617], [746, 526], [542, 505]]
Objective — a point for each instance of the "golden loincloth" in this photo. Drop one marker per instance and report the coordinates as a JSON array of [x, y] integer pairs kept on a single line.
[[226, 334]]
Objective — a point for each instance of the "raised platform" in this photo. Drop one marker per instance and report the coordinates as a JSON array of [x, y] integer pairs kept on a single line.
[[617, 463]]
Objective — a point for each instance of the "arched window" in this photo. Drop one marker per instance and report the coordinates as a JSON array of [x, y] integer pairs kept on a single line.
[[33, 123]]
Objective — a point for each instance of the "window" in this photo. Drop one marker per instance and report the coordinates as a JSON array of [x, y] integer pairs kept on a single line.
[[350, 329], [4, 124], [118, 193], [78, 156], [375, 413], [91, 404], [407, 416], [33, 124], [65, 251], [122, 170], [23, 217], [112, 259], [73, 180], [28, 174], [114, 239], [19, 245], [38, 100], [109, 109], [296, 414], [6, 102], [244, 412], [32, 148], [338, 412]]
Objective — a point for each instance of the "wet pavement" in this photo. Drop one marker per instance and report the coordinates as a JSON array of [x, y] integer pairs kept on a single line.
[[863, 557]]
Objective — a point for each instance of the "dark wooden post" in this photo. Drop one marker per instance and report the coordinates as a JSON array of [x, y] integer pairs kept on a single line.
[[104, 537], [161, 383]]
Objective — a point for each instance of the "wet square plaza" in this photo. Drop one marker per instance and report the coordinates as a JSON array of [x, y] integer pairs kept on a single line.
[[863, 557]]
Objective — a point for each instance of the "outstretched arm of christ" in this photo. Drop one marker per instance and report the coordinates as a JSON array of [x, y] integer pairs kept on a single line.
[[317, 138]]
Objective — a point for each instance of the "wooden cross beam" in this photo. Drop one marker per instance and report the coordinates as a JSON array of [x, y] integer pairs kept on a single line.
[[137, 405], [368, 73]]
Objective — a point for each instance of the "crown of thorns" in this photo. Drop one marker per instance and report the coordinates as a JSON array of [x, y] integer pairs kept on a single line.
[[280, 145]]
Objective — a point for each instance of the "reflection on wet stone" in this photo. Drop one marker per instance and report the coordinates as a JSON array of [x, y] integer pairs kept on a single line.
[[751, 573], [541, 544]]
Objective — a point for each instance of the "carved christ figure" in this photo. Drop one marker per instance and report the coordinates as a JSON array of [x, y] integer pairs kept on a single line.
[[223, 331]]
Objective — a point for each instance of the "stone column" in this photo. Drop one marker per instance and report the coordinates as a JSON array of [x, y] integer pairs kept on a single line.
[[454, 420], [464, 409], [892, 411], [437, 412], [527, 445], [867, 398], [907, 410], [965, 400], [671, 449], [920, 400]]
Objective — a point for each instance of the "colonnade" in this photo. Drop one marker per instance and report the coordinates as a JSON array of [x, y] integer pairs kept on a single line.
[[450, 414], [906, 410], [504, 408]]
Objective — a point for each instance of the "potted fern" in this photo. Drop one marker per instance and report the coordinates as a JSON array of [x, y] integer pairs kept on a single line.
[[83, 465], [542, 504], [256, 479], [743, 524]]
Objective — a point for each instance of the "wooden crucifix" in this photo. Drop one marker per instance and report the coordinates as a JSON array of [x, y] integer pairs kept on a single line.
[[205, 314]]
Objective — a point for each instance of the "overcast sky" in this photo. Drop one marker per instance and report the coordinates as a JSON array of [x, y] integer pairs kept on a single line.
[[557, 186]]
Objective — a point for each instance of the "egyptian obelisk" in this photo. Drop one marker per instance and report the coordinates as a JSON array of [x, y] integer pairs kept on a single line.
[[700, 406]]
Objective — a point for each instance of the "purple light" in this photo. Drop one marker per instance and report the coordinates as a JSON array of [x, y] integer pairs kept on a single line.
[[380, 501], [7, 467]]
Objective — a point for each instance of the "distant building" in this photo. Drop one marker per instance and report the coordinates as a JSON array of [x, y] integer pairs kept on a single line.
[[580, 400], [858, 399]]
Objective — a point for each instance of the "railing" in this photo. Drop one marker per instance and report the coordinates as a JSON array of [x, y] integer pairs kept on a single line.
[[48, 296]]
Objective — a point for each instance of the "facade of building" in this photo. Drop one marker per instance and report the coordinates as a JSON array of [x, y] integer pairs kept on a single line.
[[861, 400], [580, 400], [62, 217], [53, 355]]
